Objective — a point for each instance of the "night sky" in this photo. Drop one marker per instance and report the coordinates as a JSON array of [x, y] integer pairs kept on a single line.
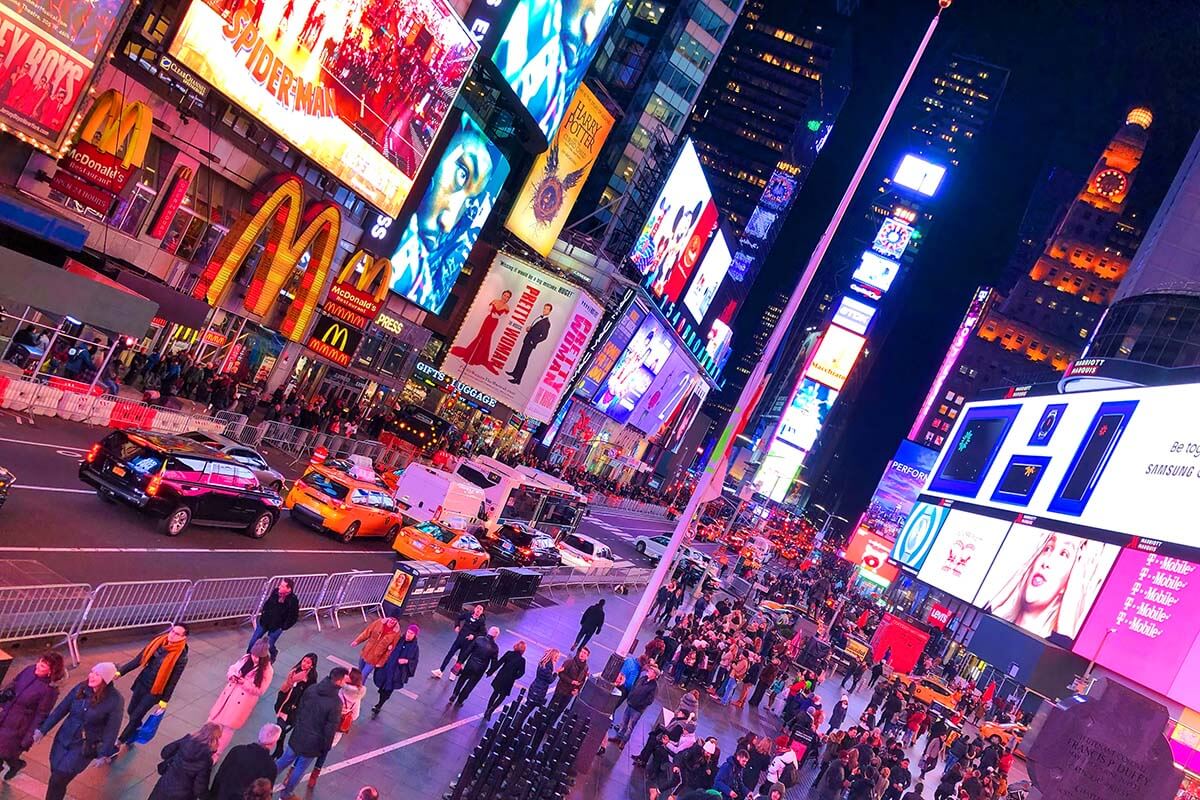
[[1076, 68]]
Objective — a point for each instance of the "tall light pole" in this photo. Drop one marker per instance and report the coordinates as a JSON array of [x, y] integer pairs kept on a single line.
[[753, 388]]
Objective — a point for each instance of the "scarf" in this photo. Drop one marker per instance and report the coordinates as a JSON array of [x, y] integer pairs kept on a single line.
[[173, 652]]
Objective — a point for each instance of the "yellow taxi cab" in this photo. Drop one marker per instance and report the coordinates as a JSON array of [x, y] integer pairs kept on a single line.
[[331, 500], [1006, 732], [429, 541], [930, 690]]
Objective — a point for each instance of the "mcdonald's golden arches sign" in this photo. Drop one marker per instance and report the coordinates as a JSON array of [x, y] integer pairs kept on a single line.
[[334, 339]]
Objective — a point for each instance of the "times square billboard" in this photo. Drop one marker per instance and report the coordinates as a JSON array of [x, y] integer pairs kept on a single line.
[[898, 489]]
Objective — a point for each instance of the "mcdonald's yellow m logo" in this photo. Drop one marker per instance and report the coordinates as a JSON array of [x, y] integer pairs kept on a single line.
[[111, 123], [292, 233], [376, 272], [337, 336]]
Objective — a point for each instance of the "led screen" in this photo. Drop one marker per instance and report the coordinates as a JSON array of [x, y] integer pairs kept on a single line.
[[545, 51], [919, 175], [361, 87], [1046, 581], [918, 534], [835, 357], [877, 271], [898, 490], [441, 232], [608, 353], [806, 413], [675, 216], [709, 276], [962, 553], [778, 469], [870, 553], [635, 370], [853, 315], [893, 238], [675, 381], [973, 448]]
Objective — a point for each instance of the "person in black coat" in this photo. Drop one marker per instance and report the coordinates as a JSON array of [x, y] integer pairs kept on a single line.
[[91, 718], [187, 765], [35, 691], [401, 665], [479, 659], [591, 623], [641, 696], [698, 764], [287, 701], [245, 764], [466, 629], [506, 672], [280, 611], [317, 721]]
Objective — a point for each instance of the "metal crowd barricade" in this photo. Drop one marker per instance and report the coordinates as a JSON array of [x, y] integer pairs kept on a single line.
[[364, 591], [331, 594], [309, 589], [34, 612], [129, 604], [214, 599]]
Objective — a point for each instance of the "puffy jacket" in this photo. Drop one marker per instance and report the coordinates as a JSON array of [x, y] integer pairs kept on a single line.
[[541, 683], [34, 701], [317, 720], [279, 614], [729, 779], [187, 766], [82, 721]]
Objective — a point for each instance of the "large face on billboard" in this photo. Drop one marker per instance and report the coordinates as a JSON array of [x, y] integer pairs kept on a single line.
[[522, 337], [806, 413], [708, 278], [674, 218], [50, 50], [898, 489], [835, 357], [360, 87], [635, 370], [963, 552], [441, 232], [1046, 581], [545, 51], [557, 175]]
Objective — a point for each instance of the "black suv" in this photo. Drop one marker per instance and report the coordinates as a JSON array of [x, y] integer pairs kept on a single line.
[[180, 481], [522, 546]]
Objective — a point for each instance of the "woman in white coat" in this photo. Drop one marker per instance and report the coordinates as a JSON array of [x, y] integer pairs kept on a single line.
[[248, 678]]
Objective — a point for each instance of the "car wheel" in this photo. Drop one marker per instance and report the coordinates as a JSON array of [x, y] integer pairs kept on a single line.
[[640, 547], [350, 532], [262, 523], [392, 533], [452, 564], [105, 496], [176, 522]]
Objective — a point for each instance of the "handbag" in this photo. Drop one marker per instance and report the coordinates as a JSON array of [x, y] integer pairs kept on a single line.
[[149, 727], [457, 668]]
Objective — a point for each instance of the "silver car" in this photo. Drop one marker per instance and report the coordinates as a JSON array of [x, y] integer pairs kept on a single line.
[[243, 454]]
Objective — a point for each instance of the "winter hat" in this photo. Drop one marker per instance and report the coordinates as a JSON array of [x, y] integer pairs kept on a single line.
[[106, 670], [269, 734], [414, 630], [777, 787]]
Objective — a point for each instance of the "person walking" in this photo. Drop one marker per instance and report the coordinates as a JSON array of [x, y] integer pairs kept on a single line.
[[280, 611], [246, 680], [186, 765], [876, 672], [661, 597], [287, 701], [931, 756], [640, 697], [161, 662], [466, 629], [317, 721], [505, 673], [24, 705], [591, 623], [480, 658], [838, 715], [90, 717], [570, 679], [380, 636], [401, 665], [543, 677], [351, 696], [245, 764]]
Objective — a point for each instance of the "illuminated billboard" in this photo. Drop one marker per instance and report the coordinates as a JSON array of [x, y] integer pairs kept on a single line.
[[608, 353], [635, 370], [545, 50], [557, 175], [675, 381], [963, 552], [898, 489], [441, 232], [360, 87], [673, 219], [877, 271], [975, 312], [919, 175], [51, 50], [870, 554], [806, 414], [893, 238], [835, 357], [778, 469], [853, 315], [708, 278], [763, 225]]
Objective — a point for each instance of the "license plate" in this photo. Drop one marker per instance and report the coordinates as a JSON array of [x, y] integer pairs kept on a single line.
[[418, 545], [119, 471], [311, 510]]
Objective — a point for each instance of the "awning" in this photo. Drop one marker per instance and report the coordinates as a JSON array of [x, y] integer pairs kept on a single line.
[[173, 306], [35, 219], [27, 281]]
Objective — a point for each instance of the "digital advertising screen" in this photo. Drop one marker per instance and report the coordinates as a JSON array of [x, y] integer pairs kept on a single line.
[[608, 353], [675, 381], [963, 553], [446, 224], [360, 86], [669, 285], [835, 357], [893, 238], [877, 271], [853, 315], [973, 447], [806, 413], [557, 175], [1046, 581], [916, 538], [919, 175], [635, 370], [870, 553], [898, 490], [545, 50], [674, 217], [778, 469], [708, 278]]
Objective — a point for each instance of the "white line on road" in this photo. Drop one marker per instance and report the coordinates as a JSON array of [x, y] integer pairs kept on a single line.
[[176, 550], [420, 737], [39, 444], [54, 489]]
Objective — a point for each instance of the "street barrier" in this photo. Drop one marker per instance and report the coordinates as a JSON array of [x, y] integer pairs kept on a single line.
[[40, 612], [364, 591], [605, 500], [128, 605], [216, 599], [309, 589]]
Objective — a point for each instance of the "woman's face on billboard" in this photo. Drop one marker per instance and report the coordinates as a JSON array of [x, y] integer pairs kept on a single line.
[[1051, 569]]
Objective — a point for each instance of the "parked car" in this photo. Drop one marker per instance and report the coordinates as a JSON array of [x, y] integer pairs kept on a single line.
[[930, 690], [331, 500], [243, 454], [7, 479], [430, 541], [1006, 732], [654, 546], [180, 481], [520, 545], [582, 551]]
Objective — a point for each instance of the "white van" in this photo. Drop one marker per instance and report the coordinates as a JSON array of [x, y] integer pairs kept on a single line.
[[425, 494]]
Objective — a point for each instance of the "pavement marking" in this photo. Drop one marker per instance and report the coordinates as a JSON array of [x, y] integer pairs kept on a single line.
[[411, 695], [16, 549], [38, 444], [70, 453], [420, 737], [531, 640], [53, 489]]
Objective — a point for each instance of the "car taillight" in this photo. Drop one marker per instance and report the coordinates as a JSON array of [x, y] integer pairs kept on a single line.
[[526, 551], [153, 485], [92, 453]]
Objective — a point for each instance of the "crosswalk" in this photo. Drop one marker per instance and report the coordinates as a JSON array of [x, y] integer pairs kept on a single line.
[[610, 528]]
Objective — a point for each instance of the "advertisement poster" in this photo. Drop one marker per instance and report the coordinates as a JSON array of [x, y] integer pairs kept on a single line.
[[441, 232], [671, 283], [917, 536], [50, 54], [635, 370], [360, 86], [674, 383], [608, 353], [709, 277], [545, 50], [963, 552], [684, 415], [806, 413], [778, 469], [674, 217], [898, 489], [1046, 582], [869, 553], [557, 175], [835, 357], [522, 337]]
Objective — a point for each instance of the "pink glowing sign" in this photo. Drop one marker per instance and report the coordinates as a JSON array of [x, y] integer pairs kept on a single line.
[[978, 305]]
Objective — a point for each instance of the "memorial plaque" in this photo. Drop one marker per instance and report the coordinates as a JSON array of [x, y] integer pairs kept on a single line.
[[1107, 745]]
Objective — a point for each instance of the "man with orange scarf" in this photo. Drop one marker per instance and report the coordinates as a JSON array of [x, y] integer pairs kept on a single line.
[[161, 663]]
